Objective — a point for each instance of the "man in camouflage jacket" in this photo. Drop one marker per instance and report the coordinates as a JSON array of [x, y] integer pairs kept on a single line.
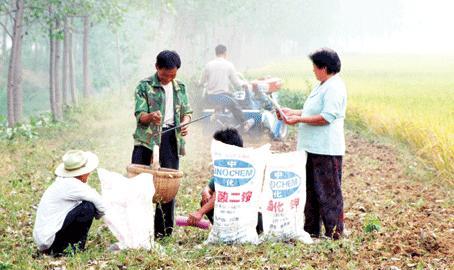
[[161, 102]]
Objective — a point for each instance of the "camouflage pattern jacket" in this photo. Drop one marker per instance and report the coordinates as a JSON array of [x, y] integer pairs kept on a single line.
[[150, 97]]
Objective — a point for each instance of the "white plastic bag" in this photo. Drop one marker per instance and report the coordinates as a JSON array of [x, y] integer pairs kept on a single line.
[[238, 175], [130, 211], [284, 197]]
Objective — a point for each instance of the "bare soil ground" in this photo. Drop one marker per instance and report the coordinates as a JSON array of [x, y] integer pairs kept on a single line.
[[382, 181]]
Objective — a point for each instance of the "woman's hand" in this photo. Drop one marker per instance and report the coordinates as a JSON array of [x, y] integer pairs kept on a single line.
[[287, 112], [292, 119]]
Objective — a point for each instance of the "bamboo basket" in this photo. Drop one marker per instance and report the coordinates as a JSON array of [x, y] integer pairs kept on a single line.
[[166, 181]]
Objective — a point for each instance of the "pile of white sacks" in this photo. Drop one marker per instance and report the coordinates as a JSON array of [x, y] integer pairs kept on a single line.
[[247, 181]]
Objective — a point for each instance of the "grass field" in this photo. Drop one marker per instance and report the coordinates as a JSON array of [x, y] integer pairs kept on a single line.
[[410, 98], [378, 187], [394, 219]]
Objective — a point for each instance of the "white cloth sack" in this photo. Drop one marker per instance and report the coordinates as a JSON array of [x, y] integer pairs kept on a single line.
[[238, 176], [130, 211], [284, 197]]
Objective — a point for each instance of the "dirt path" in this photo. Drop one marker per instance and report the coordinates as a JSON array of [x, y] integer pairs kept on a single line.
[[416, 217], [379, 181]]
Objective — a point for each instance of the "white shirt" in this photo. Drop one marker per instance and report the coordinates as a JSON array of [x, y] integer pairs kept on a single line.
[[168, 114], [217, 76], [58, 200]]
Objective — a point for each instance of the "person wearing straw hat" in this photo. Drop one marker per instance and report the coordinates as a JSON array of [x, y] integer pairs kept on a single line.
[[68, 206]]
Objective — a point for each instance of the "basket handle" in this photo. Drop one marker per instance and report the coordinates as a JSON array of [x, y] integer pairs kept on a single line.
[[155, 160]]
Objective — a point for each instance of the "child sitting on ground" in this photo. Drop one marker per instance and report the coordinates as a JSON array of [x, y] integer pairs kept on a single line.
[[227, 136]]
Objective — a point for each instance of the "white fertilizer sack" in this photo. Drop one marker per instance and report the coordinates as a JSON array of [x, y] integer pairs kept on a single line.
[[238, 175], [130, 212], [284, 197]]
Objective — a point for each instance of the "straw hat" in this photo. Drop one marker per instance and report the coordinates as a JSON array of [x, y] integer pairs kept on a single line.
[[76, 163]]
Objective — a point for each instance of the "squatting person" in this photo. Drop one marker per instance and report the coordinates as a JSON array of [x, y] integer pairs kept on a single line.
[[68, 206], [227, 136]]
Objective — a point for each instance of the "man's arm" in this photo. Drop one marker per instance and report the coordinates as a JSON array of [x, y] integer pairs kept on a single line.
[[203, 78], [207, 207], [83, 192], [153, 117], [186, 113], [234, 78], [142, 107]]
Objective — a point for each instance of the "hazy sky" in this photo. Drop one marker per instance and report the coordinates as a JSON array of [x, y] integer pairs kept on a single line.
[[423, 27], [428, 25]]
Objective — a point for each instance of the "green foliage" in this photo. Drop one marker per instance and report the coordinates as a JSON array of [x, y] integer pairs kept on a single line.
[[292, 98], [371, 223], [28, 130], [5, 266]]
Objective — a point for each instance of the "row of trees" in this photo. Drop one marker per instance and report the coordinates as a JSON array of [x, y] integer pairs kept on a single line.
[[62, 35], [55, 19], [191, 27]]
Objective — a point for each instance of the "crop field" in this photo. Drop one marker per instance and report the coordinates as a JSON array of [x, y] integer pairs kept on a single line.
[[408, 97]]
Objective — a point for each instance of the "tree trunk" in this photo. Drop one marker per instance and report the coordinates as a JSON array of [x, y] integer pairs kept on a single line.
[[120, 80], [18, 96], [72, 79], [51, 72], [87, 86], [14, 67], [4, 40], [64, 85], [57, 88]]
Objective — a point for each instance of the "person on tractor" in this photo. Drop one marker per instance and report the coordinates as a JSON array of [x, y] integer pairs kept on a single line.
[[216, 79]]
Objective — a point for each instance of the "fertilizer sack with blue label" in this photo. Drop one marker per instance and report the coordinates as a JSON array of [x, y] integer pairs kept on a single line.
[[284, 197], [238, 178]]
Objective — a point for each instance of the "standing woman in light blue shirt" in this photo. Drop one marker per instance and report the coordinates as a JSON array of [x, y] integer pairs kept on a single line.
[[321, 135]]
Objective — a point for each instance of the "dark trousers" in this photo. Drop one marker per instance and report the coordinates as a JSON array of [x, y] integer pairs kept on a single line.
[[75, 229], [227, 101], [168, 158], [324, 201]]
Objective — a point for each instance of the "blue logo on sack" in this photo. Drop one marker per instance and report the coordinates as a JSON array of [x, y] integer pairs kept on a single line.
[[232, 172], [284, 184]]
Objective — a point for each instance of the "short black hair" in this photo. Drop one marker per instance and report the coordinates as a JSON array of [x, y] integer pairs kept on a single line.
[[220, 49], [229, 136], [168, 60], [328, 58]]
